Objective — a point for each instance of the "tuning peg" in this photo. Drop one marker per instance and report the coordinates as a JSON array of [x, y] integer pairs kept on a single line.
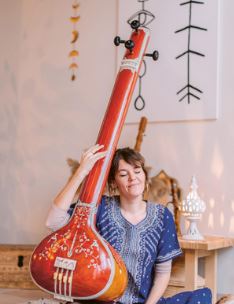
[[118, 40], [129, 44], [154, 55], [135, 24]]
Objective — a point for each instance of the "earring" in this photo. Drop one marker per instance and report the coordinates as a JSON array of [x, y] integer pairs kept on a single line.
[[112, 190], [146, 190]]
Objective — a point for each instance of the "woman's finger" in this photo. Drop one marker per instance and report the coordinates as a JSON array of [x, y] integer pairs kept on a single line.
[[99, 155], [97, 148], [94, 149], [96, 155]]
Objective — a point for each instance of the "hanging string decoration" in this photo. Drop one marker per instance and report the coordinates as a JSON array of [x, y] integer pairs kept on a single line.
[[144, 17], [73, 55], [190, 91]]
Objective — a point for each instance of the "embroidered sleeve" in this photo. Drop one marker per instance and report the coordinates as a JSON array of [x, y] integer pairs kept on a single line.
[[71, 209], [100, 210], [168, 246]]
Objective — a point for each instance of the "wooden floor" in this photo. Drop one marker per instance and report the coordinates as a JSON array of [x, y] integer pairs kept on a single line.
[[23, 296]]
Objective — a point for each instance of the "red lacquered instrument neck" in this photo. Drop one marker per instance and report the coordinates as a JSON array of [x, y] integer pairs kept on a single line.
[[115, 116]]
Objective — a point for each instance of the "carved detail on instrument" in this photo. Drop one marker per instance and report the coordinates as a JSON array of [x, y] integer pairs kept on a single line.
[[132, 64], [70, 251]]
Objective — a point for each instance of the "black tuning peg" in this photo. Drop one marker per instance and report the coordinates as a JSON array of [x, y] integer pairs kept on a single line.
[[129, 44], [118, 40], [135, 24], [154, 55]]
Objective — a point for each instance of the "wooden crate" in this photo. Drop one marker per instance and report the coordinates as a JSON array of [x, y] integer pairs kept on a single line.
[[14, 266]]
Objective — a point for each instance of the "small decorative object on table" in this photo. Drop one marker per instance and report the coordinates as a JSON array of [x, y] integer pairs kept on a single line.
[[192, 208]]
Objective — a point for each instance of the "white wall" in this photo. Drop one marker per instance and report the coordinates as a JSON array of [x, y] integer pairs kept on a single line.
[[46, 118], [10, 21]]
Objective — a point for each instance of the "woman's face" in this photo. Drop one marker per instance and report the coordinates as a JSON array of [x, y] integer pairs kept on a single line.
[[130, 180]]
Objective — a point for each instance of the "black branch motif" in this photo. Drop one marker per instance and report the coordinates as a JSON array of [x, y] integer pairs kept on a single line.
[[190, 90]]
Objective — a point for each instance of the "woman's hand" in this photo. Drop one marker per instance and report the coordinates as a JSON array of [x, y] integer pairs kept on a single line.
[[89, 158]]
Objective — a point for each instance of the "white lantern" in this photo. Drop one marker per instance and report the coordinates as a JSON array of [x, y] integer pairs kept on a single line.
[[192, 208]]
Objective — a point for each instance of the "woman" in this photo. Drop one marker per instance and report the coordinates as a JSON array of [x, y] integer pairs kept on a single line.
[[142, 232]]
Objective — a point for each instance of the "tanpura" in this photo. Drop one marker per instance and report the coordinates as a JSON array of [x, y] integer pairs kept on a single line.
[[75, 262]]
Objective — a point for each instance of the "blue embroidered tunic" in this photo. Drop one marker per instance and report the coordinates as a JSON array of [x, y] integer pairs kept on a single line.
[[141, 246]]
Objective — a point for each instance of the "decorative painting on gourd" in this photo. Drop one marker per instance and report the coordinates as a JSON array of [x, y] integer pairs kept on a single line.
[[75, 262]]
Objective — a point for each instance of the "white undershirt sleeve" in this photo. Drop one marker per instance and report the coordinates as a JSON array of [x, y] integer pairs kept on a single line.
[[163, 267], [56, 218]]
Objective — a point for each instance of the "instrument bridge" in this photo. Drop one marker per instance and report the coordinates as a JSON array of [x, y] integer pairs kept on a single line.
[[63, 277]]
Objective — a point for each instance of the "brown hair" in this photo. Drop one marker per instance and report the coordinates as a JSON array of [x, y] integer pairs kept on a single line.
[[131, 157]]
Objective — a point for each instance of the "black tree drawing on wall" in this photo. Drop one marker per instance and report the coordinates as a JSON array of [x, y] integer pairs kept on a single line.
[[190, 91]]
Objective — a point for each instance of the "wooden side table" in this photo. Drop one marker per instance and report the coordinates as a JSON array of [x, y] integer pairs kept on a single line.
[[207, 248]]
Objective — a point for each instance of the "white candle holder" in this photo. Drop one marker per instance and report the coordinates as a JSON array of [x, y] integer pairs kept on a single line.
[[192, 208]]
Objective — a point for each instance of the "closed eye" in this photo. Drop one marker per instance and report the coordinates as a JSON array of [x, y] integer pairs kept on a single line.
[[137, 172], [123, 173]]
